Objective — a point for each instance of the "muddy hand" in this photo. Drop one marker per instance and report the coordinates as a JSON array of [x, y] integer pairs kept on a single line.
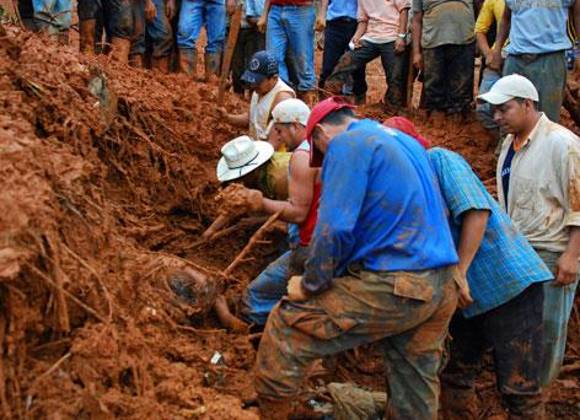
[[566, 269], [262, 24], [294, 289], [320, 23], [230, 6], [150, 10], [170, 9], [464, 298]]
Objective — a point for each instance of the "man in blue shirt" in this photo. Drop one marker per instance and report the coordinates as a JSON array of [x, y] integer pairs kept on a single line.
[[381, 266], [505, 277], [537, 47]]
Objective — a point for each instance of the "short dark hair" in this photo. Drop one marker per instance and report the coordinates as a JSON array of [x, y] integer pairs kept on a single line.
[[522, 100], [338, 117]]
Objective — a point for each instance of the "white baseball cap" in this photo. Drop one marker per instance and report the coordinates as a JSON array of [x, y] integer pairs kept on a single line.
[[510, 87], [241, 156], [291, 111]]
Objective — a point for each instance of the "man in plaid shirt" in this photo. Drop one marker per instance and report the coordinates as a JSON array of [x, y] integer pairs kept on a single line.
[[505, 276]]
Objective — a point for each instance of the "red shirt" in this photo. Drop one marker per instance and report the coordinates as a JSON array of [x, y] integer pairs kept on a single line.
[[291, 2], [307, 228]]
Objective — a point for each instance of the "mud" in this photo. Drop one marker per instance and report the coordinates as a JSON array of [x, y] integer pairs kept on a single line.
[[106, 184]]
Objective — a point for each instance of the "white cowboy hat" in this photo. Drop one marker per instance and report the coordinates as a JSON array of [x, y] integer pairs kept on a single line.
[[241, 156]]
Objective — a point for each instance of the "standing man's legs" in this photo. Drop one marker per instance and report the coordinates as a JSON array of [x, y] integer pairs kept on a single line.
[[435, 78], [215, 26], [137, 53], [118, 16], [88, 11], [548, 74], [459, 75], [188, 29], [558, 305], [277, 39], [337, 35], [300, 29], [483, 109], [160, 33], [394, 66], [53, 16]]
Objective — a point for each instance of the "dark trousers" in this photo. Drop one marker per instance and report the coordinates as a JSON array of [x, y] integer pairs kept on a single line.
[[250, 41], [337, 35], [514, 332], [448, 77]]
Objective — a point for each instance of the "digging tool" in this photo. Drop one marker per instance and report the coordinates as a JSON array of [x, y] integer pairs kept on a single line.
[[229, 52]]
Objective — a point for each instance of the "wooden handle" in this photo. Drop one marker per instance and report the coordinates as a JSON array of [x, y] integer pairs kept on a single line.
[[229, 52]]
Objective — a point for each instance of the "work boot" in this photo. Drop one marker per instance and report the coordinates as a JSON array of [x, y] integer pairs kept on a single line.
[[121, 48], [137, 61], [160, 64], [275, 410], [310, 97], [188, 62], [212, 65], [87, 30]]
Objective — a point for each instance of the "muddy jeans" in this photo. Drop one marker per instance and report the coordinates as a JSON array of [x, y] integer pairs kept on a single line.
[[514, 331], [558, 304], [410, 311], [448, 77], [117, 15], [548, 74], [52, 15], [158, 31]]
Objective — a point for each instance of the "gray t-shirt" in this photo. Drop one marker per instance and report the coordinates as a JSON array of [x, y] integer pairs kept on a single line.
[[446, 22]]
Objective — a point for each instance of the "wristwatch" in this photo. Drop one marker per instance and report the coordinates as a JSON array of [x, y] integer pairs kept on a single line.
[[402, 36]]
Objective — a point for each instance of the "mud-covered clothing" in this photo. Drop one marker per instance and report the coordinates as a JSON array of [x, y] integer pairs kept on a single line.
[[409, 311], [446, 22], [558, 305], [448, 77], [117, 15], [544, 187], [52, 15], [505, 264], [261, 109], [273, 180], [158, 31], [548, 74], [197, 14], [514, 332], [380, 207]]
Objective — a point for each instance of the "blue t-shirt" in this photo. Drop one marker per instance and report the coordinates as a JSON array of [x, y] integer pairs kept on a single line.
[[342, 8], [506, 171], [505, 263], [380, 207], [538, 26]]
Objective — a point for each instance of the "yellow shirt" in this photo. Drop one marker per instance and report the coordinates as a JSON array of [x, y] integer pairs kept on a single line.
[[274, 176], [492, 10]]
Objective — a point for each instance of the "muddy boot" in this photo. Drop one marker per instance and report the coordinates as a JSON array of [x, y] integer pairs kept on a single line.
[[87, 30], [275, 410], [121, 48], [212, 65], [188, 62], [310, 98], [137, 61], [160, 64]]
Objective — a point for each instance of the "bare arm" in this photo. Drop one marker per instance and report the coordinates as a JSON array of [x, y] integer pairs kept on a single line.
[[281, 96], [361, 28], [417, 32], [483, 45], [264, 18], [238, 120], [500, 39], [300, 191], [567, 265], [472, 230], [400, 43], [321, 18]]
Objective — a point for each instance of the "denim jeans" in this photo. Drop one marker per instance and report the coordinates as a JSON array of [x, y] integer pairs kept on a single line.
[[337, 35], [548, 74], [157, 30], [483, 109], [53, 15], [448, 73], [117, 16], [290, 35], [195, 14]]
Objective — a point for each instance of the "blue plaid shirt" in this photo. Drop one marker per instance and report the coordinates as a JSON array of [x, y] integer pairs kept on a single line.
[[505, 263]]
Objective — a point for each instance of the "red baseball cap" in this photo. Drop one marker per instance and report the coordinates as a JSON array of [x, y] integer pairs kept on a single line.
[[407, 127], [318, 113]]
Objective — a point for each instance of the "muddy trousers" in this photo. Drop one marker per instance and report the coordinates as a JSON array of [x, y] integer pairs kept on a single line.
[[410, 312], [514, 331]]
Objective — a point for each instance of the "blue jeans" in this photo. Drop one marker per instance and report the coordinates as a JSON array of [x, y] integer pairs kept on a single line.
[[290, 35], [53, 15], [157, 30], [483, 109], [195, 14], [558, 304]]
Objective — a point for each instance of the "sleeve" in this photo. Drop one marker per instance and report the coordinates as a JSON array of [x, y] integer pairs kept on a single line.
[[343, 191], [485, 19], [417, 6], [461, 188], [361, 12], [571, 179], [402, 4], [254, 8]]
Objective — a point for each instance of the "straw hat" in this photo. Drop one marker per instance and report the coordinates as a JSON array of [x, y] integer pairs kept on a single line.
[[241, 156]]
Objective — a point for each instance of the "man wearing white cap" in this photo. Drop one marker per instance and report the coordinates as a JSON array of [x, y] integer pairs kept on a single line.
[[538, 184], [300, 210]]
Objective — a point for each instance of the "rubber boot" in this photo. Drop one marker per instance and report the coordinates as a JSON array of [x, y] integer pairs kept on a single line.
[[137, 61], [188, 62], [160, 64], [275, 410], [212, 65], [121, 48], [87, 31]]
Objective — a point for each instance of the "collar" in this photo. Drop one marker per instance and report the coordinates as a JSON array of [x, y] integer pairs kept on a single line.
[[533, 134]]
